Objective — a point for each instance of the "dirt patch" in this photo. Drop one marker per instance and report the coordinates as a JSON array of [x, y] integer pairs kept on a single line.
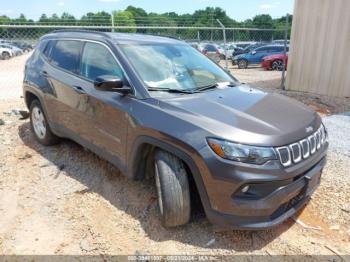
[[66, 200]]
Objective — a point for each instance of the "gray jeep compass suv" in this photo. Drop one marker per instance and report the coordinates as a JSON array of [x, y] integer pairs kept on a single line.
[[155, 106]]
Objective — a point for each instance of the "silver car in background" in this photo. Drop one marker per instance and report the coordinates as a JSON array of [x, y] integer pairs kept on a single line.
[[210, 50]]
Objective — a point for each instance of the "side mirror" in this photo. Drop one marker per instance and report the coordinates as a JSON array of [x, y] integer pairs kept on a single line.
[[111, 84], [253, 52]]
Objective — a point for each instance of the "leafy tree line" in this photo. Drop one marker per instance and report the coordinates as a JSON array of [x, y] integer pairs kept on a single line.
[[138, 17]]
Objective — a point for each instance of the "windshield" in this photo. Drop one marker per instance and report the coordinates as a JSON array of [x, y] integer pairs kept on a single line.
[[169, 66]]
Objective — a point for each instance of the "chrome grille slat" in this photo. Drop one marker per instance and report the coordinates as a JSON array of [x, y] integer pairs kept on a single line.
[[318, 139], [296, 152], [312, 142], [283, 152], [303, 149]]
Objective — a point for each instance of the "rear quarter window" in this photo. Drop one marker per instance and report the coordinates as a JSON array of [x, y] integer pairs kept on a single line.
[[46, 47], [277, 48], [66, 54]]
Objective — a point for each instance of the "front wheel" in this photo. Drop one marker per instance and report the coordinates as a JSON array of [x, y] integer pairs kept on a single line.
[[172, 189], [277, 65], [242, 64]]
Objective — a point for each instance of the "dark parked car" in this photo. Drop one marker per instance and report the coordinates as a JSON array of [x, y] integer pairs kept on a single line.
[[256, 55], [248, 49], [156, 107]]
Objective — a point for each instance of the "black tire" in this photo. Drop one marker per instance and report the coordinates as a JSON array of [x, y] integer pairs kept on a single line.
[[5, 55], [48, 138], [242, 64], [172, 189], [277, 65]]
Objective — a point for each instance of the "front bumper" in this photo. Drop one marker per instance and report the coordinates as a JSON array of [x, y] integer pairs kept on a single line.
[[291, 189], [266, 64]]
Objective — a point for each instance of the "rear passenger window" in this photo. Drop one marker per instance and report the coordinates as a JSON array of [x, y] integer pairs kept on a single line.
[[65, 54], [277, 49], [263, 49], [97, 60]]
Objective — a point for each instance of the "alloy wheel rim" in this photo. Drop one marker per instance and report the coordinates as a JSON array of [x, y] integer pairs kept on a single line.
[[277, 65], [39, 123]]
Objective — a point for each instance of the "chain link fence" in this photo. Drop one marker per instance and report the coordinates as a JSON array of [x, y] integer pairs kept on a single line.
[[17, 41]]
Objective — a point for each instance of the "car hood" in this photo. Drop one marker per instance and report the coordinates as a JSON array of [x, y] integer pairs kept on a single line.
[[240, 55], [244, 114]]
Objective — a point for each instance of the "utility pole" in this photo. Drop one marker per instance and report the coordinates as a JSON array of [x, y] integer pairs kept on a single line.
[[285, 53], [212, 24], [112, 18], [225, 47]]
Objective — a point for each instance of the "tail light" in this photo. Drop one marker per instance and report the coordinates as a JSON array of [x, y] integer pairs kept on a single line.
[[204, 52], [217, 52]]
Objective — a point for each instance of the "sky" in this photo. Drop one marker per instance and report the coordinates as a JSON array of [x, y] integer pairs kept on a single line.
[[236, 9]]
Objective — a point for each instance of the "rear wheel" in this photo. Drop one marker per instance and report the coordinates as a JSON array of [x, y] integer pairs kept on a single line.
[[172, 189], [277, 65], [5, 55], [242, 64], [40, 125]]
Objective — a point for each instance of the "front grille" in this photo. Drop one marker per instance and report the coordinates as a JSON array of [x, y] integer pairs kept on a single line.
[[303, 149]]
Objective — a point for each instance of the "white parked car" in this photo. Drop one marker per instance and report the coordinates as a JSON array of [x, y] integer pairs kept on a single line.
[[5, 53], [230, 48], [15, 50]]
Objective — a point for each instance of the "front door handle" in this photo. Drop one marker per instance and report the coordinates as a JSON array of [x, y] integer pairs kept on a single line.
[[79, 89], [44, 73]]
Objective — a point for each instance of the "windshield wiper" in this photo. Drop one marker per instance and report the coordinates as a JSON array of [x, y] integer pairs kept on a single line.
[[212, 86], [207, 87], [171, 90]]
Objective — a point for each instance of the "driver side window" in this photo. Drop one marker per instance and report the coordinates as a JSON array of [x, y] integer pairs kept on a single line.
[[97, 60]]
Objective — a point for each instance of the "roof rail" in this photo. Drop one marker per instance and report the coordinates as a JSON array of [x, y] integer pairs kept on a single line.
[[81, 31], [168, 36]]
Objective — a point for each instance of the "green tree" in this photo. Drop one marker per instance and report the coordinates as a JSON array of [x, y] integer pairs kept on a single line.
[[99, 18], [263, 21], [125, 18], [68, 19]]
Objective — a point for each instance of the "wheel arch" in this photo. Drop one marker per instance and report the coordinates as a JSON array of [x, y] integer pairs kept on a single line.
[[138, 162], [29, 97]]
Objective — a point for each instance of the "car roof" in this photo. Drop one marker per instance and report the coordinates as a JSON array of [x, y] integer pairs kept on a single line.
[[118, 38], [269, 45]]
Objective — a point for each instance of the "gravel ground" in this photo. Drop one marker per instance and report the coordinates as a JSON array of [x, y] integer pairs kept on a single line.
[[11, 77], [66, 200]]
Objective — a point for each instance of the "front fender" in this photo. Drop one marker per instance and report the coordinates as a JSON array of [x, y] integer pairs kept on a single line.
[[184, 152]]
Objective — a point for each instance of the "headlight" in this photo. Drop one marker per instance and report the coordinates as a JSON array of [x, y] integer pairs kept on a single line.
[[241, 153]]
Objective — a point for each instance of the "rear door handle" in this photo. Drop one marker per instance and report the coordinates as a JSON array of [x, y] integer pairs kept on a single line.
[[79, 89]]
